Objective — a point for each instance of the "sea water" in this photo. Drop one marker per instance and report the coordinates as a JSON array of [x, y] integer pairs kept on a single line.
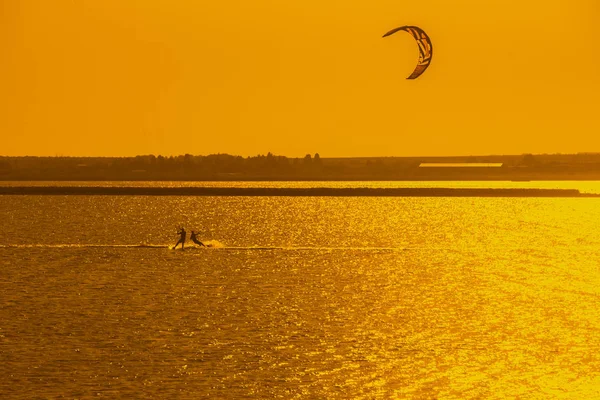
[[300, 297]]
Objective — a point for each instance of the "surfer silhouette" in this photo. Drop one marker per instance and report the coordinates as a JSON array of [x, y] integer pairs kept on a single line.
[[195, 239], [181, 240]]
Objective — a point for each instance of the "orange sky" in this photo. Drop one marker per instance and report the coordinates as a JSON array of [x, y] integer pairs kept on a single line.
[[128, 77]]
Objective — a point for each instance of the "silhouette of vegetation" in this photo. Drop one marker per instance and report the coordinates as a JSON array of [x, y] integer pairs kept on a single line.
[[310, 167]]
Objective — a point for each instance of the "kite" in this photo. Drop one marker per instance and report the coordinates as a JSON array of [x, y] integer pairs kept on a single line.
[[425, 48]]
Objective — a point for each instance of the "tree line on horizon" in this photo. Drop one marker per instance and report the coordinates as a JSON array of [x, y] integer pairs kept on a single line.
[[143, 165], [270, 166]]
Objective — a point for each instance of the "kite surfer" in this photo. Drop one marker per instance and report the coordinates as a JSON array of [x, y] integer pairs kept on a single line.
[[181, 240], [195, 239]]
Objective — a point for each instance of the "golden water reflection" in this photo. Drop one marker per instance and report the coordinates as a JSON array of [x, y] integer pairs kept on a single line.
[[310, 298]]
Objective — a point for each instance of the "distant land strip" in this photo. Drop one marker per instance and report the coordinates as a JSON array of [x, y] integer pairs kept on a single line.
[[339, 192]]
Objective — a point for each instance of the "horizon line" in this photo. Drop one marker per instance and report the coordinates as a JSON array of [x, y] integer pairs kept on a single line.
[[300, 157]]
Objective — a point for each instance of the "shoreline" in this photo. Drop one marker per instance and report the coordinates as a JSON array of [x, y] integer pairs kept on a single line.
[[291, 192]]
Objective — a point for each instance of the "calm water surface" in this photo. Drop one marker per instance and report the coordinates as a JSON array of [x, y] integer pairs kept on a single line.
[[301, 297]]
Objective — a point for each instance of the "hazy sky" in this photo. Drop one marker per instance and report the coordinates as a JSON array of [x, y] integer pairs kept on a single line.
[[127, 77]]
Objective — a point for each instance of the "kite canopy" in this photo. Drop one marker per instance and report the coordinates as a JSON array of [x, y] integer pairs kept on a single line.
[[425, 48]]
